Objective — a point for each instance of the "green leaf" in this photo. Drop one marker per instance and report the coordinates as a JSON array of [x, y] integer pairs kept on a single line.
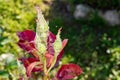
[[11, 65], [42, 30], [58, 43], [4, 73]]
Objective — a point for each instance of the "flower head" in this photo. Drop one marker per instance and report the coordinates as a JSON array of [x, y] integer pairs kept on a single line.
[[26, 39], [27, 43], [46, 49], [31, 65], [68, 71]]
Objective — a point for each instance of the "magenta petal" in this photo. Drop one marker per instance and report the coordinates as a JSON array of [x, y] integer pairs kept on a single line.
[[68, 71], [28, 46], [27, 35], [28, 65], [51, 39], [49, 59], [26, 41], [31, 67]]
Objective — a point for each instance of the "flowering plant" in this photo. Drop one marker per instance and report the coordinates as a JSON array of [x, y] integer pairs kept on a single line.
[[44, 52]]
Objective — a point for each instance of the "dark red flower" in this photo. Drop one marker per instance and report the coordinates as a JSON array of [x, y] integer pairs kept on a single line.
[[51, 39], [31, 66], [26, 39], [68, 71], [27, 35], [26, 42]]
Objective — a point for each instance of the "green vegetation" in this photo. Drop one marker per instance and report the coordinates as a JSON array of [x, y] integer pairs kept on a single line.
[[93, 44]]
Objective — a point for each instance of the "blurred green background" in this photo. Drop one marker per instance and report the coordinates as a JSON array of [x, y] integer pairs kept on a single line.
[[94, 42]]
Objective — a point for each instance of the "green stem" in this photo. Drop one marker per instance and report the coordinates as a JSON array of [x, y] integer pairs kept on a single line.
[[45, 68], [45, 77]]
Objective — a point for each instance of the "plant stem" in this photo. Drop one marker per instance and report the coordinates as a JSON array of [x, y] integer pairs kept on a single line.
[[44, 65], [45, 77]]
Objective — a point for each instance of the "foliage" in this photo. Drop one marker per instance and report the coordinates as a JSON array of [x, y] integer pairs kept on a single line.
[[44, 50], [99, 4], [93, 44], [14, 16]]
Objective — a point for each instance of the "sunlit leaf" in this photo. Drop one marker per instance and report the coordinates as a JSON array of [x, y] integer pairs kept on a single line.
[[58, 43], [42, 30], [4, 73]]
